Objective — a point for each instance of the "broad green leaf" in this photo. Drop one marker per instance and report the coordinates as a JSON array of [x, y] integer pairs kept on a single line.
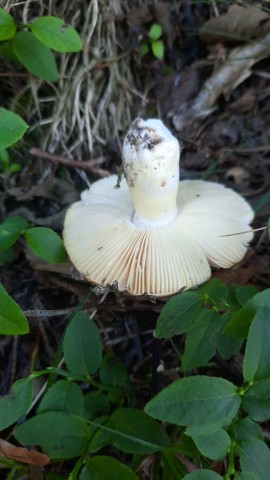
[[12, 319], [257, 408], [7, 25], [63, 396], [228, 346], [10, 230], [15, 405], [203, 474], [155, 31], [46, 244], [112, 372], [12, 128], [260, 389], [35, 56], [246, 476], [135, 432], [158, 49], [95, 404], [99, 436], [245, 429], [200, 340], [214, 446], [240, 322], [257, 354], [55, 34], [6, 51], [255, 458], [60, 435], [179, 314], [197, 400], [82, 345], [106, 468], [214, 291], [245, 293]]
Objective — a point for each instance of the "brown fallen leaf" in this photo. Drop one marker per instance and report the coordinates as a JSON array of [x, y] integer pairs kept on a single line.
[[22, 455], [224, 80], [238, 24]]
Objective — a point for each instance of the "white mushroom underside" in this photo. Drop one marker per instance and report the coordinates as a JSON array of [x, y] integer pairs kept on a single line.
[[106, 246]]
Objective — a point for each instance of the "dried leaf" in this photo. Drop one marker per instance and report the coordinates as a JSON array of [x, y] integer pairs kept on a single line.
[[238, 24], [223, 81], [23, 455]]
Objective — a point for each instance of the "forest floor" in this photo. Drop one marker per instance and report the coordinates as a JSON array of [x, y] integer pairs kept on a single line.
[[223, 127]]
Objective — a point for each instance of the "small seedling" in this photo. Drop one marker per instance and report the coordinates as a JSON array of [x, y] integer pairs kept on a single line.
[[153, 42]]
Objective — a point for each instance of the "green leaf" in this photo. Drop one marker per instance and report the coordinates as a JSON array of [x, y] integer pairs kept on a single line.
[[255, 458], [7, 25], [82, 345], [257, 354], [158, 49], [35, 56], [240, 322], [15, 167], [10, 230], [95, 404], [55, 34], [15, 405], [155, 31], [260, 389], [60, 435], [203, 474], [4, 161], [143, 48], [112, 372], [245, 429], [46, 244], [106, 468], [245, 293], [200, 340], [135, 432], [227, 347], [12, 319], [12, 128], [99, 436], [63, 396], [246, 476], [197, 400], [178, 315], [257, 408], [214, 446], [214, 291]]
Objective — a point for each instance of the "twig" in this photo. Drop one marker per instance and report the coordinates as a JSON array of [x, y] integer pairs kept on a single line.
[[88, 165], [49, 313]]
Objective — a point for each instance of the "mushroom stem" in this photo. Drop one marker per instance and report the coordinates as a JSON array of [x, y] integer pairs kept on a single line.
[[151, 166]]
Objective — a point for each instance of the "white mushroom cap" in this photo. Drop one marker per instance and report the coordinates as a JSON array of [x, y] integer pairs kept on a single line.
[[108, 241]]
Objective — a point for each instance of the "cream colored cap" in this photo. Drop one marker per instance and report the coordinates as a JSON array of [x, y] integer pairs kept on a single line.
[[106, 247]]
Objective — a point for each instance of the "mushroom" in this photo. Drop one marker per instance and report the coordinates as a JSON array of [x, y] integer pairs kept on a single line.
[[154, 234]]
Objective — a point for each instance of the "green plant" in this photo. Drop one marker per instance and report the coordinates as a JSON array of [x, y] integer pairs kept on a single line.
[[153, 42], [31, 45], [208, 420], [43, 241]]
